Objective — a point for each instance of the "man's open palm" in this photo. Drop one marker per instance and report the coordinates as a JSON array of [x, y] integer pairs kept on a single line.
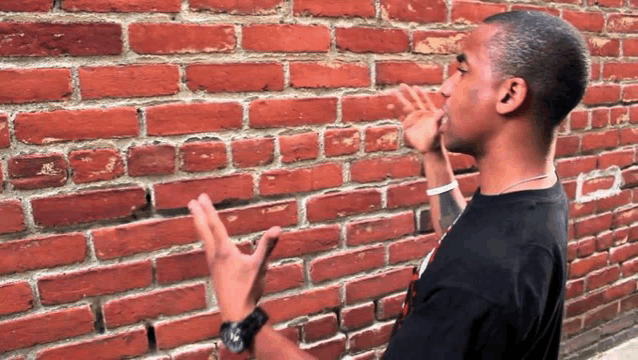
[[238, 279]]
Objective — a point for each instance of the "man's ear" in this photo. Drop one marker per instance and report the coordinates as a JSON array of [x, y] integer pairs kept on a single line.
[[512, 96]]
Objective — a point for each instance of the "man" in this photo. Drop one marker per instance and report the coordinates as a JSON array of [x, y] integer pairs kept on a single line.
[[495, 287]]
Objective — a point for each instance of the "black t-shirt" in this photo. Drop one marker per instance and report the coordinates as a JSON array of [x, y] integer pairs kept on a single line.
[[496, 287]]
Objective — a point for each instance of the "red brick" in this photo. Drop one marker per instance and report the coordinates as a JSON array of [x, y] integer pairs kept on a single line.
[[306, 241], [381, 168], [320, 327], [177, 194], [630, 93], [331, 206], [172, 38], [238, 77], [414, 10], [183, 266], [335, 8], [26, 5], [571, 167], [621, 158], [411, 249], [630, 47], [600, 118], [204, 352], [630, 267], [585, 21], [299, 147], [203, 156], [329, 349], [375, 230], [408, 72], [151, 160], [332, 74], [12, 217], [603, 277], [168, 6], [595, 71], [286, 38], [243, 7], [371, 40], [567, 145], [438, 42], [601, 140], [612, 202], [260, 217], [628, 136], [341, 141], [132, 343], [626, 217], [377, 285], [619, 114], [125, 240], [69, 125], [173, 301], [77, 285], [345, 263], [606, 3], [370, 355], [629, 303], [578, 120], [593, 224], [599, 46], [188, 330], [620, 290], [603, 314], [51, 39], [25, 85], [585, 304], [604, 240], [583, 209], [20, 333], [592, 185], [615, 71], [38, 171], [373, 336], [5, 139], [253, 152], [193, 118], [581, 267], [305, 303], [575, 288], [42, 252], [16, 297], [368, 108], [284, 277], [602, 94], [278, 182], [355, 317], [551, 11], [623, 253], [408, 194], [382, 138], [292, 112], [96, 165], [128, 81], [80, 208], [474, 12], [623, 23]]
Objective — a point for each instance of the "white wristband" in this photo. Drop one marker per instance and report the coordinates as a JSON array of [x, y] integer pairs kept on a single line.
[[442, 189]]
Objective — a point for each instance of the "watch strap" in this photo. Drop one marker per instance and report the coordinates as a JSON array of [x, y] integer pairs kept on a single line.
[[252, 324]]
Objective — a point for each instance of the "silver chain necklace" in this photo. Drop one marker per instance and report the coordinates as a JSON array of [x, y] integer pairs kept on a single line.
[[520, 182]]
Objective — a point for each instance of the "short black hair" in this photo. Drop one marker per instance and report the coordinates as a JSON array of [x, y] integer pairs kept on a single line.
[[549, 53]]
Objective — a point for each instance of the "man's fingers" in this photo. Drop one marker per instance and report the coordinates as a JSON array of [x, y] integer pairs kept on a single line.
[[415, 97], [427, 99], [223, 245], [201, 225], [266, 245], [407, 106]]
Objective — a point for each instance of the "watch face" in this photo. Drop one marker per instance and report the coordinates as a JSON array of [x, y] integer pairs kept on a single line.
[[232, 338]]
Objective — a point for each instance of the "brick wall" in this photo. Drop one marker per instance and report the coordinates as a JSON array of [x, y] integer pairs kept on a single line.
[[115, 113]]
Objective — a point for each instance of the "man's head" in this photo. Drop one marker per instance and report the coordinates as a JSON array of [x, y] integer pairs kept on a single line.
[[521, 69]]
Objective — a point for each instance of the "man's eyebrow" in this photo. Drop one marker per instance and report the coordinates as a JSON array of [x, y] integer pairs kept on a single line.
[[461, 58]]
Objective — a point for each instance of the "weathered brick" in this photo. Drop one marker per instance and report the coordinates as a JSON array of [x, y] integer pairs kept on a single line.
[[585, 21], [599, 46], [377, 285], [168, 6], [286, 38], [237, 77], [20, 333], [5, 139], [151, 160], [42, 252], [333, 348], [292, 112], [51, 39], [73, 286], [331, 206], [259, 217], [411, 249], [581, 267], [380, 229], [355, 317], [438, 42], [374, 336], [81, 208], [305, 303], [473, 12], [623, 23], [38, 171], [371, 40], [332, 74], [188, 330], [16, 297], [284, 277], [320, 327], [121, 345], [408, 72], [203, 156], [345, 263], [359, 8], [176, 119], [243, 7], [172, 301], [382, 168], [414, 10], [390, 306], [175, 38], [615, 71], [128, 81], [177, 194], [382, 138], [12, 217], [341, 141], [96, 165], [26, 5], [408, 194], [278, 182], [183, 266], [306, 241], [299, 147], [25, 85], [69, 125], [253, 152]]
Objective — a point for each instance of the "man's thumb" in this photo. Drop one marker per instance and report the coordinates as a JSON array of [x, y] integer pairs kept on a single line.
[[267, 243]]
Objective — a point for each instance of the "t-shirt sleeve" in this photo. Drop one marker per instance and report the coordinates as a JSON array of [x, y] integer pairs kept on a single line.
[[450, 324]]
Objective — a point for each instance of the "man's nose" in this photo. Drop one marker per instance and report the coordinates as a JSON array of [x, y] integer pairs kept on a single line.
[[448, 87]]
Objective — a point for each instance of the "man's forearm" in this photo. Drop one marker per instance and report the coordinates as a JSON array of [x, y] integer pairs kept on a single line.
[[446, 207], [269, 344]]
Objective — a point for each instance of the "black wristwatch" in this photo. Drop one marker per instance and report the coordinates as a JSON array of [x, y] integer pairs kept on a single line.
[[238, 336]]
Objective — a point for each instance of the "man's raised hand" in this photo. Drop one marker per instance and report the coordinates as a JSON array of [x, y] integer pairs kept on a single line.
[[238, 279]]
